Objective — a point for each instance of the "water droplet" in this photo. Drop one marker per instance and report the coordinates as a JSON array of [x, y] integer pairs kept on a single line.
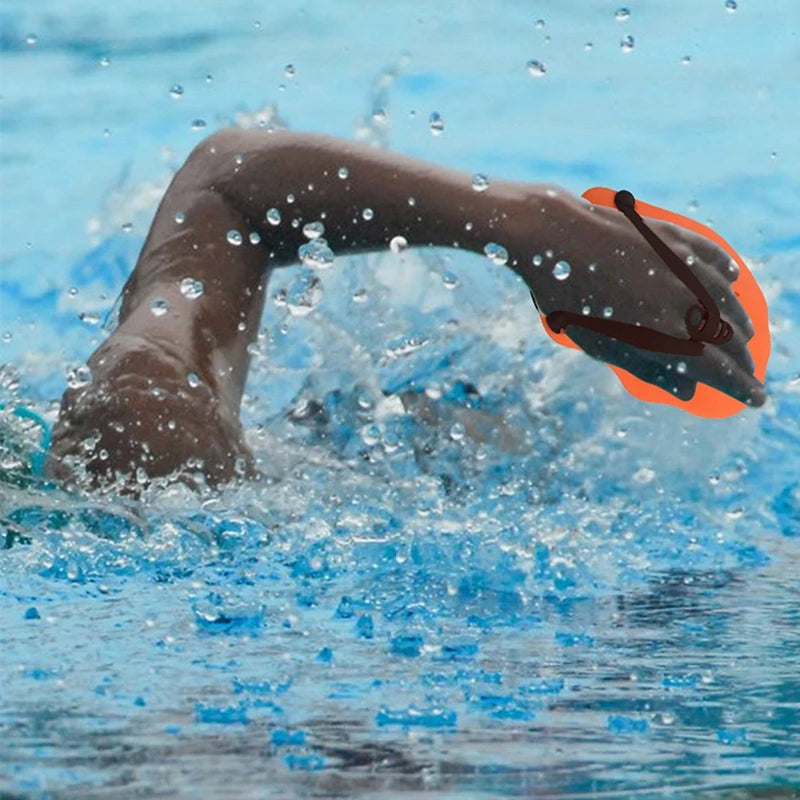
[[731, 6], [398, 244], [290, 198], [179, 217], [622, 14], [449, 279], [158, 306], [371, 435], [316, 254], [290, 71], [193, 380], [313, 230], [367, 214], [105, 61], [254, 237], [234, 237], [176, 91], [304, 293], [360, 296], [343, 172], [31, 39], [496, 253], [79, 376], [412, 201], [436, 123], [680, 368], [561, 270], [274, 216], [593, 267], [457, 431], [536, 69], [191, 288], [586, 310], [537, 260], [627, 44], [198, 124], [608, 311], [480, 183]]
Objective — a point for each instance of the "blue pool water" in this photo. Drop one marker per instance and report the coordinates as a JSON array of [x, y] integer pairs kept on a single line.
[[476, 567]]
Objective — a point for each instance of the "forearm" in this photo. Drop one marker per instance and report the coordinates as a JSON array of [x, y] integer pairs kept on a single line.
[[363, 197]]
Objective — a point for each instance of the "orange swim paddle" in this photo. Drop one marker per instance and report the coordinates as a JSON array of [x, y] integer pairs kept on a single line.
[[704, 325]]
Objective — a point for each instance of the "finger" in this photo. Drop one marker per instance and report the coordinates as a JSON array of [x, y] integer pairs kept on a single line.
[[718, 369]]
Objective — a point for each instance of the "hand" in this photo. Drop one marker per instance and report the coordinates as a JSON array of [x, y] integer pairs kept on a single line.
[[615, 274]]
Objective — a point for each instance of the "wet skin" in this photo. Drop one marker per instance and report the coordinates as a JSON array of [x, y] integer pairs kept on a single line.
[[166, 390]]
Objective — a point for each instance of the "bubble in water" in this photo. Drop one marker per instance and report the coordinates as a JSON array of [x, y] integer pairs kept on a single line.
[[622, 14], [480, 183], [193, 380], [627, 44], [644, 475], [313, 230], [79, 376], [158, 306], [539, 24], [191, 288], [398, 244], [608, 311], [586, 310], [198, 124], [436, 123], [686, 60], [561, 270], [289, 71], [127, 227], [234, 237], [680, 368], [360, 296], [343, 172], [274, 216], [536, 69], [255, 237], [449, 279], [316, 254], [105, 61], [304, 293], [367, 214], [731, 6], [176, 91], [537, 260], [179, 217], [496, 253]]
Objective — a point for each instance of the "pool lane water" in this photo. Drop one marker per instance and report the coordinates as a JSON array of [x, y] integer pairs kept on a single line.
[[475, 567]]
